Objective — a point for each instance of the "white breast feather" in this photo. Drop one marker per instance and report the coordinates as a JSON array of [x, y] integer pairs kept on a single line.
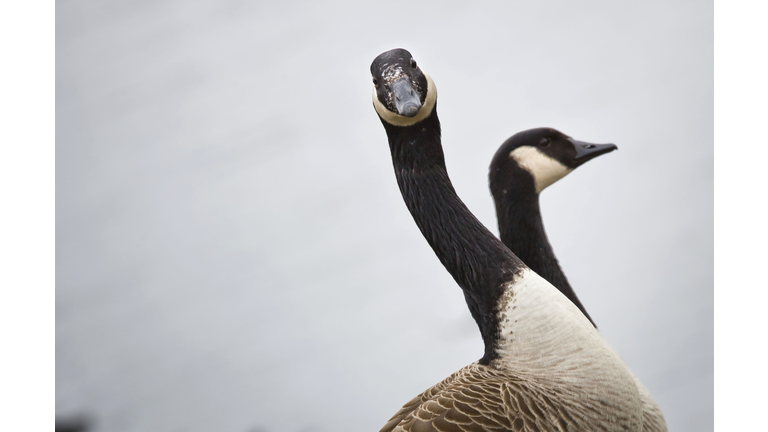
[[546, 337]]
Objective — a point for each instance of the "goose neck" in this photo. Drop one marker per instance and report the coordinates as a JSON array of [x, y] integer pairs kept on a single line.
[[522, 230], [481, 265]]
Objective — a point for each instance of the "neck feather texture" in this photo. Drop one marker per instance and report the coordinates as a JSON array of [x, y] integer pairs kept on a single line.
[[481, 265], [521, 229]]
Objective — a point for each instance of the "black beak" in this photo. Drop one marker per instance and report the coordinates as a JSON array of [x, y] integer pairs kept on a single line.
[[407, 100], [586, 151]]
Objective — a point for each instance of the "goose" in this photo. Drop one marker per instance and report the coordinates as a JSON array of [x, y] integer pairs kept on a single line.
[[521, 169], [524, 165], [544, 366]]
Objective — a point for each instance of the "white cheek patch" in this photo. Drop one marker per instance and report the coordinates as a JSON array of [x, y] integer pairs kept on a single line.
[[544, 169], [399, 120]]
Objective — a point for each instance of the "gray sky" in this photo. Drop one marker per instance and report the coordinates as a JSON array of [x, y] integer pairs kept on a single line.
[[233, 253]]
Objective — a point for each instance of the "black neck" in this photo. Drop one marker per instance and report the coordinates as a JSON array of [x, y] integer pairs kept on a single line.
[[522, 230], [476, 259]]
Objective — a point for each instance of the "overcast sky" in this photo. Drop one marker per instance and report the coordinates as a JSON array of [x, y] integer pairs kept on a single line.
[[232, 251]]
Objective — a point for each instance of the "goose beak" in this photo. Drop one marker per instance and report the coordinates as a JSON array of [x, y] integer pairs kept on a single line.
[[407, 100], [586, 151]]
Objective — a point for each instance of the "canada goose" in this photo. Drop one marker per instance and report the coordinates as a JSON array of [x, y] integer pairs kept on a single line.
[[525, 165], [544, 366], [521, 169]]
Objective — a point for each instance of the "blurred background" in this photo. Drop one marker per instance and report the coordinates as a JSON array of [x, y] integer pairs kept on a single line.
[[232, 251]]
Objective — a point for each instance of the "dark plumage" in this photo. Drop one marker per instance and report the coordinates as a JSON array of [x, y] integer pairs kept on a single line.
[[475, 258]]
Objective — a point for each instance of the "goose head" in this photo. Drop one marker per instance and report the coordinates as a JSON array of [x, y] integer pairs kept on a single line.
[[403, 94], [531, 160]]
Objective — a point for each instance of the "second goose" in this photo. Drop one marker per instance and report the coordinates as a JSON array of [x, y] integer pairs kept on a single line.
[[523, 166]]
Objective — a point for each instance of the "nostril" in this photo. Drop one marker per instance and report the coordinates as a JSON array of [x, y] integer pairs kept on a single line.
[[588, 146]]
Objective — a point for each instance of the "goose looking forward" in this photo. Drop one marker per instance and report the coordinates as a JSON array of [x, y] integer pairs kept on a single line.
[[544, 367], [523, 166]]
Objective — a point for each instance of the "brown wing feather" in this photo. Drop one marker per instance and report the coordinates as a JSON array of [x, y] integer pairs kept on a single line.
[[414, 403], [467, 401], [479, 398]]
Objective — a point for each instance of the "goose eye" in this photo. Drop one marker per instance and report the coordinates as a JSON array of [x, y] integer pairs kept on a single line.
[[413, 63], [375, 82], [544, 142]]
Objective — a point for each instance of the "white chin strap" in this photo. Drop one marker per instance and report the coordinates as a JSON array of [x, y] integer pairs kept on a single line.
[[399, 120], [544, 169]]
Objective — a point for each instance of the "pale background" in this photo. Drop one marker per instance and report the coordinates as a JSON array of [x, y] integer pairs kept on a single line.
[[232, 251]]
